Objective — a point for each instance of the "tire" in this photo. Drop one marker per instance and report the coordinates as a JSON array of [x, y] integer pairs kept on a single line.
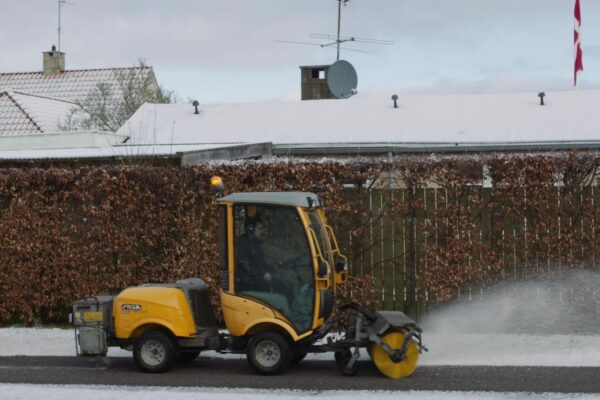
[[154, 351], [342, 358], [298, 356], [350, 371], [269, 353], [187, 356]]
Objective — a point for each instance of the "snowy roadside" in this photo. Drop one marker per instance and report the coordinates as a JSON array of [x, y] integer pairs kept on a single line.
[[61, 392], [445, 349]]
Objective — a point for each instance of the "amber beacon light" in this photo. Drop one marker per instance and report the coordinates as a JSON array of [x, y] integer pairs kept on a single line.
[[216, 183]]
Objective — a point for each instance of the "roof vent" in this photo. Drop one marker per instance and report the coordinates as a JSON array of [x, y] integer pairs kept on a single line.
[[395, 98], [541, 95], [196, 104]]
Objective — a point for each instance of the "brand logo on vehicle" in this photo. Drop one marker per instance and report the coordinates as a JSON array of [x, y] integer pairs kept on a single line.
[[131, 307]]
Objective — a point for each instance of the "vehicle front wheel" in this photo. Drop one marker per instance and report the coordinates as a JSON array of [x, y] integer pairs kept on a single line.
[[269, 353], [154, 351]]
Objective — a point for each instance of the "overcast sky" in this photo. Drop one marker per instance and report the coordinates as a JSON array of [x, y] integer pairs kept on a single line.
[[225, 50]]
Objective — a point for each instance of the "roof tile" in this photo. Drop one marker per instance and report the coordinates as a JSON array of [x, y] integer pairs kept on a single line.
[[73, 85]]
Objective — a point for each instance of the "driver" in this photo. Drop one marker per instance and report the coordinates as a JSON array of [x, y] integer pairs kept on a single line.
[[251, 257]]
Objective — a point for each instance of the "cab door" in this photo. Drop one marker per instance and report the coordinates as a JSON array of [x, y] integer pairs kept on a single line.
[[272, 261]]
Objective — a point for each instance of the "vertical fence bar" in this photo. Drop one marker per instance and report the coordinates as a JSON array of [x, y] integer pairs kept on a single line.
[[371, 245], [581, 212], [382, 240], [525, 236], [424, 247], [415, 266], [514, 240], [394, 262], [593, 244], [405, 297], [559, 234]]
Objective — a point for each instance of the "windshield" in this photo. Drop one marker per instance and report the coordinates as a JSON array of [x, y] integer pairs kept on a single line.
[[273, 262]]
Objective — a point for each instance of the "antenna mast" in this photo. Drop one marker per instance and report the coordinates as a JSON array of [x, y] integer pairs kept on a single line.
[[338, 40], [59, 9], [60, 3]]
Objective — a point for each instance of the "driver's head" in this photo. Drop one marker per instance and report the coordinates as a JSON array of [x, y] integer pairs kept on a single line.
[[260, 230], [255, 228]]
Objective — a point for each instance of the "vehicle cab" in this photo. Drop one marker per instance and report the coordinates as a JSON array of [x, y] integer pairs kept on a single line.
[[280, 263]]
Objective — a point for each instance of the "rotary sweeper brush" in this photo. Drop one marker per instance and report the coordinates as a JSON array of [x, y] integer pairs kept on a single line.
[[280, 267]]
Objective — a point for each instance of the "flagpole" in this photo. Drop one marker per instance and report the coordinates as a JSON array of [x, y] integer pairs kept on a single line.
[[578, 62]]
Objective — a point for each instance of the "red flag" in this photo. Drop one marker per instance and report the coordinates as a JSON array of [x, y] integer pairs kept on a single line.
[[578, 52]]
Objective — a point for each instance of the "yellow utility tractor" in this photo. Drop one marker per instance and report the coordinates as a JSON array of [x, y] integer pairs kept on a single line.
[[280, 265]]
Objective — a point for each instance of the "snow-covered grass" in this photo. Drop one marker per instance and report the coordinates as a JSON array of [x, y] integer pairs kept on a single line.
[[61, 392]]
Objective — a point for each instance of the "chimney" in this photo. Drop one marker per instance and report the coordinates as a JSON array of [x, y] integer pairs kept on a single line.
[[54, 61], [314, 82]]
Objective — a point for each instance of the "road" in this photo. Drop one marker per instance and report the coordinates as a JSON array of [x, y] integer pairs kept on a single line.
[[308, 375]]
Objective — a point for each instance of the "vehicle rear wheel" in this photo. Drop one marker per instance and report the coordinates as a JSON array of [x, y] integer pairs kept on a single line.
[[187, 356], [154, 351], [269, 353]]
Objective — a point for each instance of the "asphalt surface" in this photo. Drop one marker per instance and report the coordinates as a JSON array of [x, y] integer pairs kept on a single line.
[[308, 375]]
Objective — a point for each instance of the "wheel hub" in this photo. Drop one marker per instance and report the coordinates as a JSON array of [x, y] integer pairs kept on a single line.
[[153, 352], [268, 353]]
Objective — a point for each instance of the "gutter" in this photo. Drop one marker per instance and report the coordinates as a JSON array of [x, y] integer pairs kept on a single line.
[[437, 147]]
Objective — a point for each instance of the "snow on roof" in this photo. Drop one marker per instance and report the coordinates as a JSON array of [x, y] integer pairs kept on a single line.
[[22, 113], [71, 85], [569, 115], [118, 151]]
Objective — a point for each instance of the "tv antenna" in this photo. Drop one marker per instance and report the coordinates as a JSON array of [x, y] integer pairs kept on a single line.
[[60, 4], [337, 39]]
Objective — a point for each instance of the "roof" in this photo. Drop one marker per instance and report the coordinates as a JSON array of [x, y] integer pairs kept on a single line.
[[22, 113], [482, 118], [290, 199], [70, 85], [431, 147], [190, 154]]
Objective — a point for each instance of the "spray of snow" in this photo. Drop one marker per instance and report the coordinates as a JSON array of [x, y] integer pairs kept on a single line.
[[554, 322], [567, 304]]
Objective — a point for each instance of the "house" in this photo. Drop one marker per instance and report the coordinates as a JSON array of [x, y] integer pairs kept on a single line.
[[56, 82], [370, 124], [26, 114], [38, 110]]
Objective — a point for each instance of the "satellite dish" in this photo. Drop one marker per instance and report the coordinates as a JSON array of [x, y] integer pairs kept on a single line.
[[342, 79]]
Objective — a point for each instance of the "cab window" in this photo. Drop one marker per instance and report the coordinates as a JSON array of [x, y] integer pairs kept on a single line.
[[273, 262]]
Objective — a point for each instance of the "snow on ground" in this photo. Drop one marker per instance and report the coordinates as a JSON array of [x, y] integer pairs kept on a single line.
[[505, 328], [61, 392], [444, 348]]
